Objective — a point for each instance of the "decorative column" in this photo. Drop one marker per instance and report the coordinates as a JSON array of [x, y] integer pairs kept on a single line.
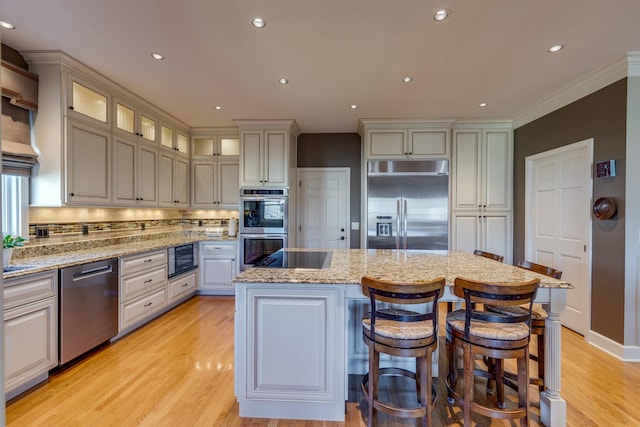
[[553, 408]]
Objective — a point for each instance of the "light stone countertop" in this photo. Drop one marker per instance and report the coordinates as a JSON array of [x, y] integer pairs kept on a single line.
[[349, 265], [42, 257]]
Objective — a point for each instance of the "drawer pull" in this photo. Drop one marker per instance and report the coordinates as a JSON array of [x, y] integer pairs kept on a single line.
[[185, 285], [148, 281], [148, 304], [148, 260]]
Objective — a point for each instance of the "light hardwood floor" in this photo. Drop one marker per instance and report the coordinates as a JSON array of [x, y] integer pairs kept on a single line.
[[178, 371]]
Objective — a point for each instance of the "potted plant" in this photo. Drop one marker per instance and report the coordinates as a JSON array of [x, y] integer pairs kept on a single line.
[[10, 242]]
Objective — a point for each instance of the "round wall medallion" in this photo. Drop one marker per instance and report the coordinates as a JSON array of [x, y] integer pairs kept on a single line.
[[604, 208]]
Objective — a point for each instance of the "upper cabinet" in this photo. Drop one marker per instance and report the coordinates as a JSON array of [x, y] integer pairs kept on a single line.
[[482, 169], [215, 144], [401, 139], [81, 116], [173, 139], [135, 122], [267, 152], [87, 100]]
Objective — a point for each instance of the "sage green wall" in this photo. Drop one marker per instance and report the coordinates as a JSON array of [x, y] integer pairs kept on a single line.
[[601, 116], [324, 150]]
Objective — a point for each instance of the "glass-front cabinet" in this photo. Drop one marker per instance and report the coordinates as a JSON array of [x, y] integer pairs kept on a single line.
[[174, 140], [214, 146], [129, 120], [87, 101]]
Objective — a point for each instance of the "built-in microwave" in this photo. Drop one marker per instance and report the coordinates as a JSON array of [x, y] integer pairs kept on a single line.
[[182, 258]]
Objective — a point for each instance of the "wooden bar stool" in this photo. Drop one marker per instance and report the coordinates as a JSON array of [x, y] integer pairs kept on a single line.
[[404, 333], [489, 255], [491, 335], [538, 317]]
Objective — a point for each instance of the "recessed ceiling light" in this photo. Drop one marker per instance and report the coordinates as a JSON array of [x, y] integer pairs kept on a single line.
[[217, 107], [157, 56], [555, 48], [407, 79], [353, 106], [482, 104], [7, 25], [258, 22], [441, 14], [283, 81]]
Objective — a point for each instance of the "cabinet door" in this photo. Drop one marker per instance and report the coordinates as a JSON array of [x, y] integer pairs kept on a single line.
[[217, 273], [203, 190], [251, 155], [30, 342], [496, 235], [465, 233], [466, 170], [147, 176], [182, 143], [166, 171], [88, 165], [386, 144], [275, 162], [181, 183], [429, 143], [497, 170], [87, 101], [124, 172], [228, 185]]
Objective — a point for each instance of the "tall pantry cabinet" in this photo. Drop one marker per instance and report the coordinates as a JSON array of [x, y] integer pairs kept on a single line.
[[482, 188]]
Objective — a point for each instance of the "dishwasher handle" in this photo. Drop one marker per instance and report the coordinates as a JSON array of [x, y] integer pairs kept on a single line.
[[93, 272]]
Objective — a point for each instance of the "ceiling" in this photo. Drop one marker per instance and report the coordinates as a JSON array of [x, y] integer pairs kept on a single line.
[[334, 53]]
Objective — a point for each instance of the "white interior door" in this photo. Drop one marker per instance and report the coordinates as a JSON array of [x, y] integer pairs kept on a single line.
[[323, 208], [558, 218]]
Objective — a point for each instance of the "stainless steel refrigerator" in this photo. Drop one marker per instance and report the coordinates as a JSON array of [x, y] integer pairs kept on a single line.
[[408, 204]]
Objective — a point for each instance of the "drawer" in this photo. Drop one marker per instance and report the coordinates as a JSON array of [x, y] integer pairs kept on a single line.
[[142, 308], [182, 285], [27, 289], [140, 283], [137, 263], [218, 248]]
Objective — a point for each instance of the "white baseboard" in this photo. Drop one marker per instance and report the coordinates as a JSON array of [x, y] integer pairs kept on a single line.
[[626, 353]]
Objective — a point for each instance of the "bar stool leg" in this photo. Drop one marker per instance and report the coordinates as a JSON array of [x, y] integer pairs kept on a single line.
[[468, 362], [541, 351], [523, 387], [374, 366]]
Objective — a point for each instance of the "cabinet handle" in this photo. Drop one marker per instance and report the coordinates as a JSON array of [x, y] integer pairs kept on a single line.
[[185, 285], [148, 304], [148, 260], [72, 194], [70, 107], [341, 238]]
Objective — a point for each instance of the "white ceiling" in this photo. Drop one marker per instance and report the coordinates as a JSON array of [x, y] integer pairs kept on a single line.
[[334, 52]]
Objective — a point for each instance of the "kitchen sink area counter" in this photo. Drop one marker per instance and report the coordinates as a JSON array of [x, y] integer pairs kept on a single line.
[[44, 255], [298, 337]]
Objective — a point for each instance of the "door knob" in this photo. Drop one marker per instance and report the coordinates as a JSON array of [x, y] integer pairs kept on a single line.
[[341, 237], [342, 229]]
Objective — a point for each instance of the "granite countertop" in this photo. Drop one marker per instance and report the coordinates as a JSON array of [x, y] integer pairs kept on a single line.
[[41, 257], [349, 265]]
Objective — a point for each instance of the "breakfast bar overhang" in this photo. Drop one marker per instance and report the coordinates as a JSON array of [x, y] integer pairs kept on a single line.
[[297, 331]]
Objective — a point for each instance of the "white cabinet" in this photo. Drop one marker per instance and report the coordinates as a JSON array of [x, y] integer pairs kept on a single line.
[[486, 232], [30, 330], [88, 173], [88, 101], [172, 139], [80, 114], [215, 184], [143, 288], [407, 143], [267, 152], [218, 266], [482, 187], [278, 327], [482, 170], [173, 180], [211, 146], [133, 122], [183, 286], [135, 173]]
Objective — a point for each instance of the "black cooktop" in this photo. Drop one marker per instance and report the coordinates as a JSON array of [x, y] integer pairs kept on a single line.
[[296, 259]]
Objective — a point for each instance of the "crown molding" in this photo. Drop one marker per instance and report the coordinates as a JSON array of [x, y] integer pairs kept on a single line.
[[596, 80]]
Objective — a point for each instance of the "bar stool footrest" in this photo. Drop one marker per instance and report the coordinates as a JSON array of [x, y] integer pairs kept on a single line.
[[402, 412]]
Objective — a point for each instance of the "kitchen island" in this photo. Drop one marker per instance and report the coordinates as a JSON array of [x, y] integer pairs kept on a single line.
[[297, 333]]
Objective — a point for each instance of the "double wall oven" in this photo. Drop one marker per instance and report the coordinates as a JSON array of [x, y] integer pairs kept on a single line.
[[263, 223]]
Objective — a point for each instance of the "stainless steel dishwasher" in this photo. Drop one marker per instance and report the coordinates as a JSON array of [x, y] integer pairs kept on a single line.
[[88, 307]]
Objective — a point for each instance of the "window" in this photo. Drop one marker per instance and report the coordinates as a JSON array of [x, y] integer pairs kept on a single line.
[[15, 205]]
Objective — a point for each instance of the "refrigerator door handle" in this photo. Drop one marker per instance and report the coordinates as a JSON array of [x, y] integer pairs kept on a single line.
[[398, 224], [405, 225]]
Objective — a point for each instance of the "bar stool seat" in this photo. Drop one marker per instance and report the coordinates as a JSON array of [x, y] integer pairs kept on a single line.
[[405, 333]]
